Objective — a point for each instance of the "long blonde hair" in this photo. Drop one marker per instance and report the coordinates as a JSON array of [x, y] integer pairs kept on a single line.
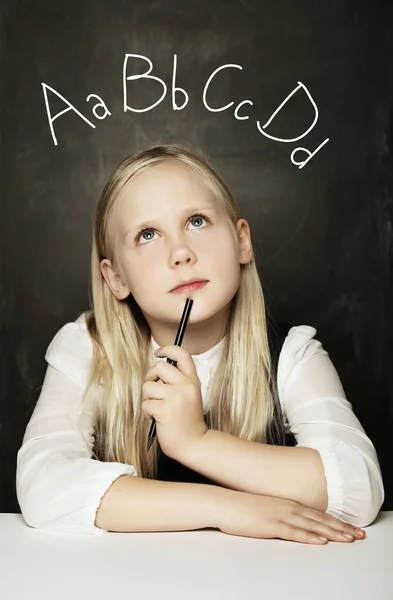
[[243, 394]]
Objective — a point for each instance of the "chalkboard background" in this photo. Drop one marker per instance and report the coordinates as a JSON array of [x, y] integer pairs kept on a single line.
[[322, 233]]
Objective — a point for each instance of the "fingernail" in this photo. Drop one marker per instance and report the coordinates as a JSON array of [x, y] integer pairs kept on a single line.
[[359, 532]]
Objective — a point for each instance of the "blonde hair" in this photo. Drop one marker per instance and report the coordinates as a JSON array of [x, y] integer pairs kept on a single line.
[[243, 394]]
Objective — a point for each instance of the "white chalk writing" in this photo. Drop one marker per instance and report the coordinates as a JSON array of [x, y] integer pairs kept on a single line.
[[136, 58]]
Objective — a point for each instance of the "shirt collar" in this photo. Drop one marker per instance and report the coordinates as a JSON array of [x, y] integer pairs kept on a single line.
[[210, 357]]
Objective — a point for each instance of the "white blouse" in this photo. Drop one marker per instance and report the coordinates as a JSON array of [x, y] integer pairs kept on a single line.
[[59, 486]]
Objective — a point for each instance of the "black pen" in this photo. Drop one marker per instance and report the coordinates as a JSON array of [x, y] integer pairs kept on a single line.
[[178, 340]]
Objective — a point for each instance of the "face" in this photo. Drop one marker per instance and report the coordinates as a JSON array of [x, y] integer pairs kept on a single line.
[[176, 247]]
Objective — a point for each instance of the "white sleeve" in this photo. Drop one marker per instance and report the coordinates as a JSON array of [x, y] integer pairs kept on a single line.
[[319, 415], [59, 485]]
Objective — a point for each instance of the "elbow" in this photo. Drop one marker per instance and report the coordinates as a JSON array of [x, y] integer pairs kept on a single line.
[[365, 518], [32, 511], [31, 502], [63, 495], [369, 512], [29, 489], [362, 508], [51, 511], [371, 500], [354, 484]]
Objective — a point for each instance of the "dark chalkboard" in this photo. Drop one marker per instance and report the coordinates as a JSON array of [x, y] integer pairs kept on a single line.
[[321, 216]]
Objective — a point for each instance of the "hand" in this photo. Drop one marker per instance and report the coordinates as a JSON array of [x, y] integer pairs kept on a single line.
[[176, 406], [258, 516]]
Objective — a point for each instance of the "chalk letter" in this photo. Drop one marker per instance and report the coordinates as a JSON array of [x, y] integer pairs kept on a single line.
[[144, 75], [100, 103], [310, 154], [237, 110], [70, 107], [271, 137], [177, 89], [207, 85]]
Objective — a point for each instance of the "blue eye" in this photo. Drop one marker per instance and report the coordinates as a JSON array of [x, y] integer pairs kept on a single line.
[[194, 216]]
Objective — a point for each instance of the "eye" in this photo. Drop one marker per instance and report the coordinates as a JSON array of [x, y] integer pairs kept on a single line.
[[195, 216]]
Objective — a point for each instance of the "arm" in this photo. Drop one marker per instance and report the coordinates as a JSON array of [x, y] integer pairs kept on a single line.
[[321, 417], [60, 487], [138, 504], [291, 473], [334, 462]]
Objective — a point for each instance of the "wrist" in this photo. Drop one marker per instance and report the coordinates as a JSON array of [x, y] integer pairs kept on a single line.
[[218, 502], [186, 451]]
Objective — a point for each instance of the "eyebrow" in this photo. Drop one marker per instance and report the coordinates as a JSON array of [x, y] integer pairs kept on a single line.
[[152, 224]]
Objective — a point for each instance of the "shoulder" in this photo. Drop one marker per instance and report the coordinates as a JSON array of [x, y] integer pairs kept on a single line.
[[299, 344], [71, 350]]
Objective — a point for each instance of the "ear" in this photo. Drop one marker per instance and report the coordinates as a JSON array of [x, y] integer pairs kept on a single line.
[[113, 279], [245, 244]]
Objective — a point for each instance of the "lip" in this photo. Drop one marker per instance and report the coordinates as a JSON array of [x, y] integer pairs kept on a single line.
[[190, 287]]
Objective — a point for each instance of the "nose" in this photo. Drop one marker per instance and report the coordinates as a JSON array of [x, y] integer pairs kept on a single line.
[[183, 254], [178, 262]]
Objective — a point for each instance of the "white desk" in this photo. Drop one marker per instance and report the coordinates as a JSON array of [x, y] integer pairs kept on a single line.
[[201, 564]]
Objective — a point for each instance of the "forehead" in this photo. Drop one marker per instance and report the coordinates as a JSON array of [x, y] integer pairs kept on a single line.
[[162, 180], [162, 189]]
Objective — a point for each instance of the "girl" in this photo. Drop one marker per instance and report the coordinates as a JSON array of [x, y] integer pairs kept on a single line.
[[221, 458]]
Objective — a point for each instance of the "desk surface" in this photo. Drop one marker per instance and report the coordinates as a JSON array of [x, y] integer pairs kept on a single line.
[[188, 565]]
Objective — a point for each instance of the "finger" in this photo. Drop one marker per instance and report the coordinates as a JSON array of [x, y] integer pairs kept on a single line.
[[331, 521], [151, 408], [154, 390], [295, 534], [319, 528], [151, 374], [183, 358], [167, 373]]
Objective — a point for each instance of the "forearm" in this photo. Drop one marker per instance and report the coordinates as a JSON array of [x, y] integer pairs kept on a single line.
[[293, 473], [137, 504]]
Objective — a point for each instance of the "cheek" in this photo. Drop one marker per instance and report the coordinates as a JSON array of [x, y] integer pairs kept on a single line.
[[148, 273], [216, 243], [136, 272], [222, 253]]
